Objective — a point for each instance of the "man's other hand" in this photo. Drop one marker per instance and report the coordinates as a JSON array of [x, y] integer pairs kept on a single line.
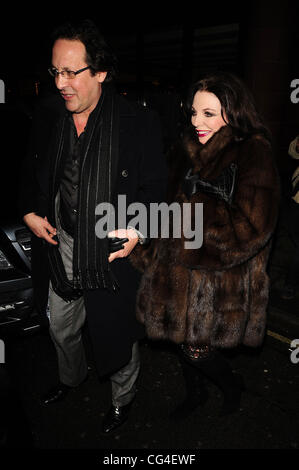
[[128, 246]]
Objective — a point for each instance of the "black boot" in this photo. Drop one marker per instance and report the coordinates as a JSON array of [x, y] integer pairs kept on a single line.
[[218, 369], [196, 393]]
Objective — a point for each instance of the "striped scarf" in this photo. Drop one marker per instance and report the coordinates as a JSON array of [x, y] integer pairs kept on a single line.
[[91, 268]]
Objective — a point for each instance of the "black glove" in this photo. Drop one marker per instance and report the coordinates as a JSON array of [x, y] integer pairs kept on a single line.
[[116, 244], [222, 187]]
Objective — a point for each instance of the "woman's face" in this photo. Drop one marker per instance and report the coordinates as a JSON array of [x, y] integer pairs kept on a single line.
[[206, 115]]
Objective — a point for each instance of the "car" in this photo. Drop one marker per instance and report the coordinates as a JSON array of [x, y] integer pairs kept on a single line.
[[17, 313], [16, 290]]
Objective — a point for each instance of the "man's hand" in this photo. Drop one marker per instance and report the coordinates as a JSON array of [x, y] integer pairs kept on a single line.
[[128, 246], [40, 227]]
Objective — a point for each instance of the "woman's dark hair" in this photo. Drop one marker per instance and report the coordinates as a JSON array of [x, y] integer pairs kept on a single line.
[[238, 108], [99, 56]]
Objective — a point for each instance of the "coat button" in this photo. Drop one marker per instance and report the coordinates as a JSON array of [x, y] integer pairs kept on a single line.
[[125, 173]]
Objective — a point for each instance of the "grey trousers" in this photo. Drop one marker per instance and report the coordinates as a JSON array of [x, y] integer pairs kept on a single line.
[[66, 322]]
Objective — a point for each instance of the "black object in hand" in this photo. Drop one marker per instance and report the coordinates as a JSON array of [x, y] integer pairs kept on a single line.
[[116, 244]]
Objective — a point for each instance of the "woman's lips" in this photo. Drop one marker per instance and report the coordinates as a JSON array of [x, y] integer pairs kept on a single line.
[[202, 133]]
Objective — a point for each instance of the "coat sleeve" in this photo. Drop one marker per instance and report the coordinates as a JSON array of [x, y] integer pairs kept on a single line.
[[152, 165], [234, 233], [152, 168], [152, 182], [34, 178], [27, 200]]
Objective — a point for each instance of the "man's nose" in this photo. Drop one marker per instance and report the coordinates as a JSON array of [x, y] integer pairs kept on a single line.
[[60, 81]]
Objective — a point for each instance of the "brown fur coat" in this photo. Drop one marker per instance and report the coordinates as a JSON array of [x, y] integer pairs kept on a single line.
[[216, 294]]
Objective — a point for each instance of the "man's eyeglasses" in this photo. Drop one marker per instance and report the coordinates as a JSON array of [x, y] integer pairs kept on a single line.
[[66, 73]]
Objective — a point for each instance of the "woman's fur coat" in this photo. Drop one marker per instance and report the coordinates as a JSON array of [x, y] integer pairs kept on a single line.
[[216, 294]]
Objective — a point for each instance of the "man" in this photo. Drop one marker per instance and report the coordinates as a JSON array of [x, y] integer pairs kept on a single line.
[[102, 146]]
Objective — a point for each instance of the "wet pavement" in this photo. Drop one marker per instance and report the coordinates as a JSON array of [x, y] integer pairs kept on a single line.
[[267, 419]]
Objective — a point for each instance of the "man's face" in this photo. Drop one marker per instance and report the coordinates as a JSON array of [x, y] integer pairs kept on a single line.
[[81, 93]]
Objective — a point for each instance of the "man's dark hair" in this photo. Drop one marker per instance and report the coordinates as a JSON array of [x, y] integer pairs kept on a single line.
[[99, 56]]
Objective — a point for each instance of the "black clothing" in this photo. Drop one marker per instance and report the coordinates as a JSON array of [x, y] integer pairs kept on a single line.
[[70, 180], [91, 269], [108, 338], [74, 149], [140, 176]]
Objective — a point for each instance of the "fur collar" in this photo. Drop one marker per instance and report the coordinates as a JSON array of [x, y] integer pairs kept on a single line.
[[201, 155]]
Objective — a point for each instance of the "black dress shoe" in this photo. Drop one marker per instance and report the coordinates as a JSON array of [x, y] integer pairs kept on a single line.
[[115, 417], [55, 394]]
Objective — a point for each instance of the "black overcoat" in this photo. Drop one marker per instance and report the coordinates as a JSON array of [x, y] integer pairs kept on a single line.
[[141, 177]]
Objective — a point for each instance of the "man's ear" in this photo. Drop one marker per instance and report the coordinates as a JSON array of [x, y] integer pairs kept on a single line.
[[101, 76]]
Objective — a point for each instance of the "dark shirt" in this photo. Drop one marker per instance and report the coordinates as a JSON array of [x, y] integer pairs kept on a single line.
[[69, 186], [70, 180]]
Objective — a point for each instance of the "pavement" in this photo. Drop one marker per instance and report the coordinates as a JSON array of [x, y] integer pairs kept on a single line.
[[267, 419]]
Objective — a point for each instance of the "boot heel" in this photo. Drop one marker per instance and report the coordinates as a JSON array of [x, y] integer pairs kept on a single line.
[[240, 382], [196, 393], [232, 398], [188, 406]]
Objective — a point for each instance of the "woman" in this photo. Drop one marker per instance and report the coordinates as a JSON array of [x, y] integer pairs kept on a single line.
[[215, 297]]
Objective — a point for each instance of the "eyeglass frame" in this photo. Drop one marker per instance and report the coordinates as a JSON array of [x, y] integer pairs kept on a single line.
[[50, 70]]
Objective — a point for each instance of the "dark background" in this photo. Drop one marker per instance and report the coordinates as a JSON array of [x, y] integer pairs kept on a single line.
[[163, 47]]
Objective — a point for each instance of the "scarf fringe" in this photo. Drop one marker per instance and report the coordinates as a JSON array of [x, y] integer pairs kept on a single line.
[[89, 280]]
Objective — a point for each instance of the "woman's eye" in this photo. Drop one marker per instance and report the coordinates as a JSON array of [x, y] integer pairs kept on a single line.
[[207, 114]]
